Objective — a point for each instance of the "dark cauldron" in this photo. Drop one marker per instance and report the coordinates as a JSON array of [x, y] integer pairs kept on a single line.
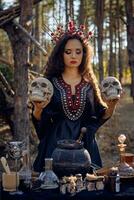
[[70, 157]]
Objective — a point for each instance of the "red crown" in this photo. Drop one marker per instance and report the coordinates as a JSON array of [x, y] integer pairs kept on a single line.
[[71, 30]]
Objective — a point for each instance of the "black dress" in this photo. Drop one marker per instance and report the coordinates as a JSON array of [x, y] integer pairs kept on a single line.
[[64, 117]]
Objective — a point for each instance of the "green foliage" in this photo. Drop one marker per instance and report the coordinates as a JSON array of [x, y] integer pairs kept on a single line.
[[7, 72]]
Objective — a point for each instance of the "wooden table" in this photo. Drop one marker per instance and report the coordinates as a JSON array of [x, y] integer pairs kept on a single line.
[[126, 193]]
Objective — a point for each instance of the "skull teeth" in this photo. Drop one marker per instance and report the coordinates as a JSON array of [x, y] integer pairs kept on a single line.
[[35, 96], [112, 92]]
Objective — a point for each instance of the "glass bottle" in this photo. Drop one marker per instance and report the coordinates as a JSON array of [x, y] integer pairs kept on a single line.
[[117, 182], [25, 172], [79, 183], [114, 180], [63, 185], [48, 177]]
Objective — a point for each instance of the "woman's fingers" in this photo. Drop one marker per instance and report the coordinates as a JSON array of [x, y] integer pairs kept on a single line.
[[40, 104]]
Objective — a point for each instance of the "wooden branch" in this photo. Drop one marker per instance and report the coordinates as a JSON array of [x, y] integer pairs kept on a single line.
[[8, 19], [35, 73], [8, 95], [11, 13], [5, 61], [31, 37], [6, 84], [123, 20]]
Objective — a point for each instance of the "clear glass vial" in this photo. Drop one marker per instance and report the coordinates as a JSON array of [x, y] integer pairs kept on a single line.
[[48, 177]]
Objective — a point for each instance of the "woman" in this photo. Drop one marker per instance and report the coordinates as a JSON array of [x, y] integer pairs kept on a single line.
[[76, 102]]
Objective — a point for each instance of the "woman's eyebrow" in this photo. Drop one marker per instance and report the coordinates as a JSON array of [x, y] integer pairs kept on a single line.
[[72, 49]]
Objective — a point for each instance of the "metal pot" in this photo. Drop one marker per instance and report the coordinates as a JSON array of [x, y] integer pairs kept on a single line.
[[70, 157]]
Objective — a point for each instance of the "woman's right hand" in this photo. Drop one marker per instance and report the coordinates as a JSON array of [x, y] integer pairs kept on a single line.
[[38, 108]]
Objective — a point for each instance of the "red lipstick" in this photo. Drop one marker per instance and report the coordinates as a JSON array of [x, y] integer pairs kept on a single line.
[[73, 62]]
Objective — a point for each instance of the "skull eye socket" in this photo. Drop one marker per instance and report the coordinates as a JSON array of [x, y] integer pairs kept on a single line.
[[44, 85], [115, 83], [34, 84], [105, 84]]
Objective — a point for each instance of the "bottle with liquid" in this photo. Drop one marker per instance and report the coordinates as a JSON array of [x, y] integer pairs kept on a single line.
[[48, 178], [114, 180], [25, 171]]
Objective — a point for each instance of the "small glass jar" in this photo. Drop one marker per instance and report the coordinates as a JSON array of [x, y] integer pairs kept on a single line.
[[79, 183], [100, 184], [63, 186], [48, 177], [90, 185]]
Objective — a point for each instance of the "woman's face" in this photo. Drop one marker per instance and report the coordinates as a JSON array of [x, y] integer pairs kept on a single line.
[[73, 53]]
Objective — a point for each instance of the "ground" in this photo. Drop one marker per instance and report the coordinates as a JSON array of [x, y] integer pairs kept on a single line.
[[122, 122]]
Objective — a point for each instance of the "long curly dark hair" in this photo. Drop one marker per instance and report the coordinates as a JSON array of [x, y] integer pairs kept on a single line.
[[55, 65]]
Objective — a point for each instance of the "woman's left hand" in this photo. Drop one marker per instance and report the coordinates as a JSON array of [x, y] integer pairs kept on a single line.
[[111, 107]]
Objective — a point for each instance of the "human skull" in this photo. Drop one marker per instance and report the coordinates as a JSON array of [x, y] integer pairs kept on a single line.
[[41, 89], [111, 88]]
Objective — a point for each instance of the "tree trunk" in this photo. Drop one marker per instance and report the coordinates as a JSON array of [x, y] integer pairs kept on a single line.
[[99, 23], [37, 54], [69, 8], [119, 42], [130, 40], [81, 16], [66, 11], [110, 69], [20, 44]]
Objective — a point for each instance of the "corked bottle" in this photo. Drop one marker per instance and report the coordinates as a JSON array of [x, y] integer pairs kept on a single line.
[[48, 177]]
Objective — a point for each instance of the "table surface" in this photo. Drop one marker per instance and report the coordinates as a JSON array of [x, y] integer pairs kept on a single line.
[[127, 192]]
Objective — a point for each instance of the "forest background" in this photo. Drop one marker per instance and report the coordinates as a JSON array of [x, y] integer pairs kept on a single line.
[[25, 44]]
